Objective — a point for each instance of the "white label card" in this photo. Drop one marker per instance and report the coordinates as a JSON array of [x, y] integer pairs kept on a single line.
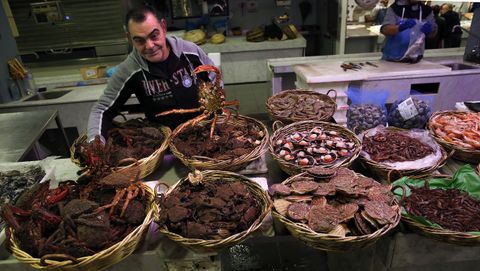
[[407, 109]]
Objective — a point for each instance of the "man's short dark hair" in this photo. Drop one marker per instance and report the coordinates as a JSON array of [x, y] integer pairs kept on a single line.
[[139, 14]]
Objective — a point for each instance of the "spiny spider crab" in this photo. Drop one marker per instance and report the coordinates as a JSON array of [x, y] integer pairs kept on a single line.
[[211, 99]]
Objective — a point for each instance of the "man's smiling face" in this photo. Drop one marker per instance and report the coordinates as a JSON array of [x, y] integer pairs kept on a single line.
[[149, 38]]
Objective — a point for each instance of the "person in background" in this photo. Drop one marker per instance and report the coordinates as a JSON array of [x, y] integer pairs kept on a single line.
[[378, 12], [401, 17], [219, 8], [158, 71], [437, 41], [453, 37]]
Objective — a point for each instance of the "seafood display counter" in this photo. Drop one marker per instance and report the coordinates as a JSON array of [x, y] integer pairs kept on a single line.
[[272, 247], [399, 250]]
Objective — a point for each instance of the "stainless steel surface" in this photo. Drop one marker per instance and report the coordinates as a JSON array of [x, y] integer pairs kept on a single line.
[[47, 95], [20, 130], [78, 61], [460, 66]]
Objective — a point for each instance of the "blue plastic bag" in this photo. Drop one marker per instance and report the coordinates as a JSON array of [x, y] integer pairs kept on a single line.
[[417, 118], [407, 45], [111, 71]]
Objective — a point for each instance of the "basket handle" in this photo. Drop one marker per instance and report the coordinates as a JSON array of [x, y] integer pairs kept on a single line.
[[334, 94], [354, 129], [61, 257], [277, 125], [450, 154], [126, 162], [390, 172]]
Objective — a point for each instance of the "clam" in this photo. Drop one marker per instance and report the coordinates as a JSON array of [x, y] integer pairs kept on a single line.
[[330, 143], [305, 161], [316, 130], [288, 145], [289, 157], [303, 143], [312, 137], [344, 153], [300, 153], [320, 150], [279, 142], [281, 206], [283, 151], [332, 133], [340, 144], [350, 145], [328, 158], [296, 137], [337, 139]]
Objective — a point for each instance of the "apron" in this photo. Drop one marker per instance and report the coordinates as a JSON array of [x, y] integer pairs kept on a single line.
[[406, 46]]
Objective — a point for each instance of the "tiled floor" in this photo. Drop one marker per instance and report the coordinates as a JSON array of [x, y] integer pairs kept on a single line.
[[252, 97]]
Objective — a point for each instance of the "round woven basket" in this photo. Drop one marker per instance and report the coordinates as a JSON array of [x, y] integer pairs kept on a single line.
[[442, 235], [146, 165], [207, 163], [100, 260], [469, 155], [389, 174], [280, 133], [329, 242], [205, 246], [295, 92]]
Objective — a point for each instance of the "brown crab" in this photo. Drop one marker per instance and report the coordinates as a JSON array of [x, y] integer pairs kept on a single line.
[[127, 189], [211, 99]]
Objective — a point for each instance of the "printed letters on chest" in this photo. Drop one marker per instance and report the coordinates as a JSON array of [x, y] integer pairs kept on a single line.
[[182, 77], [155, 87]]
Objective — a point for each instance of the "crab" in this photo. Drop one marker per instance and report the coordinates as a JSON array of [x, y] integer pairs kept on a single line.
[[126, 186], [211, 99]]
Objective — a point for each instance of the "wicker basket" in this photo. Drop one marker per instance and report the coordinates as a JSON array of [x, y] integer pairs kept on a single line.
[[287, 120], [329, 242], [146, 165], [387, 173], [205, 246], [100, 260], [442, 235], [293, 169], [460, 153], [206, 163]]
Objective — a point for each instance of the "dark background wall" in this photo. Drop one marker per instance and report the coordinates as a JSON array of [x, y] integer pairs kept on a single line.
[[90, 23], [8, 51], [97, 23]]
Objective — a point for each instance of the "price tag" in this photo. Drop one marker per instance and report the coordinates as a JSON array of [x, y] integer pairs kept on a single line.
[[407, 109]]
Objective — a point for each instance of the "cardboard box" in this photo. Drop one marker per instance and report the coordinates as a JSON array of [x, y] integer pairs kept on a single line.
[[94, 72]]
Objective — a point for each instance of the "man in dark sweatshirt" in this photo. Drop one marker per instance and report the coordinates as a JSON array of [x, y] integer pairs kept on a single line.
[[453, 37], [158, 71]]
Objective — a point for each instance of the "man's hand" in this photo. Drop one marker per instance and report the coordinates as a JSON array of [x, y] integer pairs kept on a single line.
[[406, 24], [427, 28]]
